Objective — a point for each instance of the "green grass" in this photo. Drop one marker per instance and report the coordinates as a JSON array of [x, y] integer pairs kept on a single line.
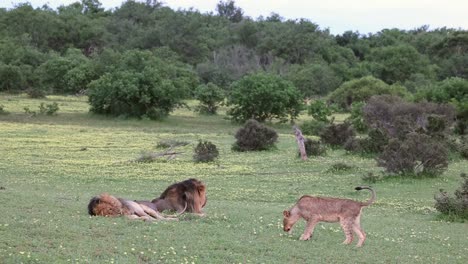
[[51, 166]]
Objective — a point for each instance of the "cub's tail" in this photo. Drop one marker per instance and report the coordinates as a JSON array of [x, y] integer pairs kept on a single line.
[[372, 199]]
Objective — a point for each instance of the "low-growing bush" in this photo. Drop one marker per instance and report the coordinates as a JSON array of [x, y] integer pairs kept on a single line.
[[337, 134], [205, 151], [313, 148], [396, 118], [254, 136], [456, 205], [374, 143], [370, 177], [3, 111], [340, 167], [171, 143], [417, 154], [44, 109], [49, 109], [313, 127]]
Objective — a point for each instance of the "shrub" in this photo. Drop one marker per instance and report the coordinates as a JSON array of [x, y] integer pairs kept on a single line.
[[337, 134], [3, 111], [313, 127], [370, 177], [264, 96], [205, 151], [49, 109], [360, 90], [375, 142], [209, 95], [417, 154], [396, 118], [457, 205], [340, 167], [171, 143], [313, 148], [357, 117], [142, 85], [319, 111], [36, 92], [463, 148], [254, 136]]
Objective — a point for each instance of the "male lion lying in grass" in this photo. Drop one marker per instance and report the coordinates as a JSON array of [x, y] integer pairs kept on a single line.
[[108, 205], [185, 196], [326, 209]]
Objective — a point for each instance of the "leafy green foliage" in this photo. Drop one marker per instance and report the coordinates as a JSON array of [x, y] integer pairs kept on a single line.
[[456, 205], [314, 79], [209, 95], [3, 111], [360, 90], [205, 151], [141, 86], [357, 117], [320, 111], [264, 97], [254, 136], [313, 127]]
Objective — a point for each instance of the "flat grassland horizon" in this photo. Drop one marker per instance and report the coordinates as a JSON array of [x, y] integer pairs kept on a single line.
[[51, 166]]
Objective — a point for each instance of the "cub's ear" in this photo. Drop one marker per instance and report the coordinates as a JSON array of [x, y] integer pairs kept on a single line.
[[286, 213]]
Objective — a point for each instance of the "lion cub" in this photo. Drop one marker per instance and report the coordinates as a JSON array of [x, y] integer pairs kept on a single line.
[[326, 209]]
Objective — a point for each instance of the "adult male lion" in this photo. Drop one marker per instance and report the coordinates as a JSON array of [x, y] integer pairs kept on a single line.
[[189, 194], [108, 205]]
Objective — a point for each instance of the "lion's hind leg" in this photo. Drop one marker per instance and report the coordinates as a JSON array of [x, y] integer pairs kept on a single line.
[[155, 214]]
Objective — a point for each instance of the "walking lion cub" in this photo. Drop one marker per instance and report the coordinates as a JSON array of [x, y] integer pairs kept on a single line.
[[327, 209]]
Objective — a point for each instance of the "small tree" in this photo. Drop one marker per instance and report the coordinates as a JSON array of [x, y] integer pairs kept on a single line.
[[209, 95], [264, 96], [337, 134], [141, 86]]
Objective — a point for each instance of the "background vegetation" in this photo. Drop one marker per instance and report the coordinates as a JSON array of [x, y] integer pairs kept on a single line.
[[81, 88]]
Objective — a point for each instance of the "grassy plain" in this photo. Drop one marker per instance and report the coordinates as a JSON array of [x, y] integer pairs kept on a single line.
[[51, 166]]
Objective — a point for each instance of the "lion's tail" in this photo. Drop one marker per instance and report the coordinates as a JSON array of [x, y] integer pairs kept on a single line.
[[104, 205], [372, 199]]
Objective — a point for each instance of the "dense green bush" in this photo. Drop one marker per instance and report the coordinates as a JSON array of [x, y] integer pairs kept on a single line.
[[337, 134], [417, 154], [205, 151], [360, 90], [313, 127], [314, 79], [209, 95], [141, 86], [255, 136], [320, 111], [357, 117], [456, 205], [264, 96]]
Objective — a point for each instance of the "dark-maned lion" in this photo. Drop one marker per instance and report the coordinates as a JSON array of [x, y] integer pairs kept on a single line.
[[189, 194], [326, 209], [108, 205]]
